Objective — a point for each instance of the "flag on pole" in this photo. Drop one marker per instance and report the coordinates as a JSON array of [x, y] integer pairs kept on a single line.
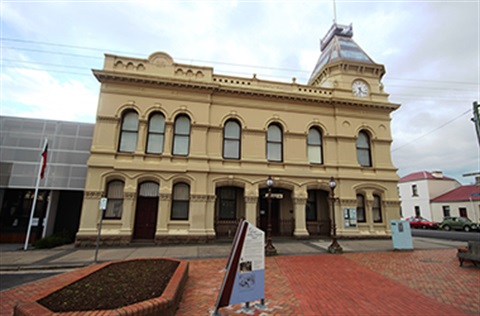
[[44, 159]]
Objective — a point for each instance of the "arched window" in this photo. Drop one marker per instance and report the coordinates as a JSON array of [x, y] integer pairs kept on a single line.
[[181, 136], [156, 133], [180, 201], [115, 200], [274, 143], [314, 145], [231, 140], [377, 209], [361, 208], [364, 156], [129, 132], [148, 189]]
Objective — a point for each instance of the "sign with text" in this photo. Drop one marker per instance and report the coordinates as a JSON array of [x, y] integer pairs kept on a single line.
[[274, 195], [244, 280]]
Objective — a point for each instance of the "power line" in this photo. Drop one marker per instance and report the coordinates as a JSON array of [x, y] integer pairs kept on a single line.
[[430, 132], [203, 61]]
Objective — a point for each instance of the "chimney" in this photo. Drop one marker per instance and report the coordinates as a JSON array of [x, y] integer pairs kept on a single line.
[[437, 174]]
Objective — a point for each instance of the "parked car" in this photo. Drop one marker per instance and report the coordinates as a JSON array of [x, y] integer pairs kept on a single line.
[[458, 223], [420, 222]]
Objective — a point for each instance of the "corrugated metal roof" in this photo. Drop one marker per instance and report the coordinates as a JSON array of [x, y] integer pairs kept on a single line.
[[423, 175], [463, 193]]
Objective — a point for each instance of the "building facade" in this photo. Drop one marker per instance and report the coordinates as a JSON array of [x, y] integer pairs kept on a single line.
[[60, 194], [463, 201], [417, 190], [183, 153]]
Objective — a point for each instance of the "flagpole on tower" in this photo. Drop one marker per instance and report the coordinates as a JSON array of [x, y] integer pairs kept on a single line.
[[41, 170]]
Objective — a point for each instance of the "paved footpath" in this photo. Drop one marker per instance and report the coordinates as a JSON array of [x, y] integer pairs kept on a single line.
[[420, 282], [428, 282]]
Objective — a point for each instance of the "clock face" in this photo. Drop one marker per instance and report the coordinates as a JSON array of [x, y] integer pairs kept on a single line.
[[359, 89]]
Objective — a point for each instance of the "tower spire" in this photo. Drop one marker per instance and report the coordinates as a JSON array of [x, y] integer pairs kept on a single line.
[[334, 12]]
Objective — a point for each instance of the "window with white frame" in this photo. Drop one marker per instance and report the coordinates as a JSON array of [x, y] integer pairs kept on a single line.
[[231, 140], [129, 132], [364, 156], [181, 136], [377, 209], [314, 146], [274, 143], [156, 133]]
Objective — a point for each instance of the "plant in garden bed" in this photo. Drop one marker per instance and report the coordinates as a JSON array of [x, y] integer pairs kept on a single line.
[[114, 286]]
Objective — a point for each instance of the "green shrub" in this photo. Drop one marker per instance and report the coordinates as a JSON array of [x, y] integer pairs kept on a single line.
[[54, 240]]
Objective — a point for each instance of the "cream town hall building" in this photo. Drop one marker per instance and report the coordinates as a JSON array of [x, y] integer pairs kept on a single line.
[[183, 153]]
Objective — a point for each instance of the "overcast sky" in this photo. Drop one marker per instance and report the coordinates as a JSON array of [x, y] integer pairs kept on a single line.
[[430, 50]]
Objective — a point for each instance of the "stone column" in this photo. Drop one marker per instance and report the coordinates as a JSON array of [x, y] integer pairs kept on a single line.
[[128, 213], [164, 200], [90, 214], [197, 214], [142, 135], [251, 209], [300, 220], [210, 216]]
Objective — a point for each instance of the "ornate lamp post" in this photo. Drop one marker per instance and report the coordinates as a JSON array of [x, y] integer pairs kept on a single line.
[[269, 248], [334, 247]]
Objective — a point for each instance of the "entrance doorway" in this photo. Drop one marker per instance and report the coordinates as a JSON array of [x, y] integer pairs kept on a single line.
[[146, 211]]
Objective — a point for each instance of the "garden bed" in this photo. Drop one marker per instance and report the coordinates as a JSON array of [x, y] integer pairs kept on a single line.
[[131, 287]]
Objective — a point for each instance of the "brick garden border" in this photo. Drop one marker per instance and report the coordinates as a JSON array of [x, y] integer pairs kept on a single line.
[[166, 304]]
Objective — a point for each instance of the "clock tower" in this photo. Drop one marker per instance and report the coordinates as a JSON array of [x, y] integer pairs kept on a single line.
[[346, 68]]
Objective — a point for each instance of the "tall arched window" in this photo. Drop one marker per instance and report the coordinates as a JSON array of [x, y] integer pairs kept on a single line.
[[156, 133], [274, 143], [114, 200], [180, 201], [361, 208], [129, 132], [377, 209], [364, 156], [181, 136], [314, 145], [231, 140]]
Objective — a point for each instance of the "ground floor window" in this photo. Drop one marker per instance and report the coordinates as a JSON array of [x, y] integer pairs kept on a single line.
[[227, 202], [446, 210], [377, 209], [417, 211], [462, 211], [115, 200], [361, 208], [181, 201]]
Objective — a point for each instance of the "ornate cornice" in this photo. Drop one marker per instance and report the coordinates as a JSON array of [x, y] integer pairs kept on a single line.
[[93, 195], [296, 92], [129, 195], [202, 197], [251, 199], [348, 201]]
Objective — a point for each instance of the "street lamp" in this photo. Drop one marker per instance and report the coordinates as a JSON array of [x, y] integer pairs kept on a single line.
[[334, 247], [269, 248]]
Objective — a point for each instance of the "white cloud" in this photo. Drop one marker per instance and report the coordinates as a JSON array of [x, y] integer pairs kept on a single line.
[[47, 97]]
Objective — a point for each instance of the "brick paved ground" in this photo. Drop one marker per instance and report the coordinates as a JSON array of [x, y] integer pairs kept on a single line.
[[389, 283]]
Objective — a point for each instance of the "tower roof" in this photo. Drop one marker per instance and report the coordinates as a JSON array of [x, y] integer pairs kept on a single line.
[[339, 45]]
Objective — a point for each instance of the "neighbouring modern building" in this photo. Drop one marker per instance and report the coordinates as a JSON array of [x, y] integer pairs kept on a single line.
[[183, 153], [417, 189], [60, 193]]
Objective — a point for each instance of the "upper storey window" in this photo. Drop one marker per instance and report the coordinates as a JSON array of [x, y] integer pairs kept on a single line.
[[231, 140], [314, 146], [181, 136], [129, 132], [274, 143], [156, 133], [364, 156]]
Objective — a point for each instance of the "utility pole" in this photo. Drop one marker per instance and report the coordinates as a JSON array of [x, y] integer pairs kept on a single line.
[[476, 120]]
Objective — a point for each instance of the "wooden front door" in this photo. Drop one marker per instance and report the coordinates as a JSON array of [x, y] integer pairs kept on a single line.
[[145, 218]]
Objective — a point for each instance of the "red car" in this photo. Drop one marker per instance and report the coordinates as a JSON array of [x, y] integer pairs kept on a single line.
[[420, 222]]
